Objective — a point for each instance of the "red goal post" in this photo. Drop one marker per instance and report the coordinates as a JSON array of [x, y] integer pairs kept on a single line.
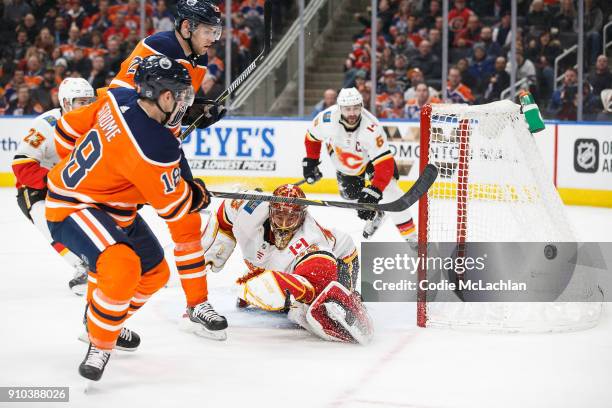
[[492, 187]]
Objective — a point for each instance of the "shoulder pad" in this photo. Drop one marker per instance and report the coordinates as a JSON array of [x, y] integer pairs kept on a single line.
[[155, 143], [165, 43]]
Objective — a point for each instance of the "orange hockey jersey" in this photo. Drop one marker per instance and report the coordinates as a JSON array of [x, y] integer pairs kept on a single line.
[[119, 158], [164, 43]]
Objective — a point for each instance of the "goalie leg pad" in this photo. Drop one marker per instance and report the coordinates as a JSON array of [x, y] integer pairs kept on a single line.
[[268, 290], [338, 315]]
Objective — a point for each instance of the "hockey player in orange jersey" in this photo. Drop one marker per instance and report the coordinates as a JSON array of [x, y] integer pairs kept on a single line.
[[123, 156], [197, 28]]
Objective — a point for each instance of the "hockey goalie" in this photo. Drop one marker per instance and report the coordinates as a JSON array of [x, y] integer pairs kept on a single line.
[[293, 265]]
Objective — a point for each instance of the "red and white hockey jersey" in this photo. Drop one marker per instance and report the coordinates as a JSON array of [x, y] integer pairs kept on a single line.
[[36, 153], [351, 151], [250, 225]]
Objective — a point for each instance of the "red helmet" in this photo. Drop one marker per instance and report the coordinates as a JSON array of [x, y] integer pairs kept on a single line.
[[285, 218]]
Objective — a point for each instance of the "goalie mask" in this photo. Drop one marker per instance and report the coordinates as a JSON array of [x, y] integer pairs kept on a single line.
[[286, 218]]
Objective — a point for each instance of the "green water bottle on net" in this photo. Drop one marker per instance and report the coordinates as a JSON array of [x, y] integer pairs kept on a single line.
[[531, 112]]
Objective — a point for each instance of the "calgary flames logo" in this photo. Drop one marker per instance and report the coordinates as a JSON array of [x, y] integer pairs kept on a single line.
[[350, 160]]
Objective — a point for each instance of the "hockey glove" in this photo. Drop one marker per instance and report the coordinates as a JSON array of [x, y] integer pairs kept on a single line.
[[369, 195], [213, 112], [200, 197], [27, 196], [312, 174]]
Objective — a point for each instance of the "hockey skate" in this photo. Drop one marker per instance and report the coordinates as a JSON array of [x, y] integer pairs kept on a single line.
[[78, 284], [204, 321], [372, 225], [345, 318], [128, 340], [94, 363]]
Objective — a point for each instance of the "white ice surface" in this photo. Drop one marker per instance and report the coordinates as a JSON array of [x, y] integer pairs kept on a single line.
[[267, 362]]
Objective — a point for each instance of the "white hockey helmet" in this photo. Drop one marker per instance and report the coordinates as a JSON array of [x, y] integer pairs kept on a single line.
[[71, 88], [349, 97]]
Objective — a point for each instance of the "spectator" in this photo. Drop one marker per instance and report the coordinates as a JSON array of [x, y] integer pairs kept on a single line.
[[492, 48], [525, 69], [403, 45], [539, 18], [435, 39], [216, 67], [481, 67], [435, 10], [499, 81], [40, 8], [416, 77], [400, 66], [566, 93], [252, 9], [60, 67], [456, 91], [60, 30], [80, 63], [118, 29], [593, 22], [75, 14], [564, 19], [211, 87], [394, 108], [606, 100], [426, 62], [29, 26], [42, 93], [501, 32], [33, 73], [329, 99], [23, 104], [458, 16], [470, 34], [600, 76], [467, 79], [45, 41], [98, 72], [413, 106], [100, 21], [163, 20], [21, 45], [114, 57], [14, 11], [390, 84]]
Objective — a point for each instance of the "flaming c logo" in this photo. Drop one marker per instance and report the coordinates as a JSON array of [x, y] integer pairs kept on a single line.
[[350, 160]]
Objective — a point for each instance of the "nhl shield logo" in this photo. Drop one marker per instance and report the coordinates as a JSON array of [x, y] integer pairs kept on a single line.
[[586, 155]]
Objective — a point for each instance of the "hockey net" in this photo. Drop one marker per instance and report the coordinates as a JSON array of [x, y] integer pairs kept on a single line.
[[492, 187]]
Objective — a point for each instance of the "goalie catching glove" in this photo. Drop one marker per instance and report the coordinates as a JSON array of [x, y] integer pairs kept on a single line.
[[218, 245], [212, 111], [369, 195]]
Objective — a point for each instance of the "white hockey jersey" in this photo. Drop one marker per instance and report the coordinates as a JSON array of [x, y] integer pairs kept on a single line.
[[39, 143], [350, 152], [250, 225]]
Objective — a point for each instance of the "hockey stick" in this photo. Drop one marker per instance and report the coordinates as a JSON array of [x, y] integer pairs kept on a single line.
[[413, 195], [247, 72]]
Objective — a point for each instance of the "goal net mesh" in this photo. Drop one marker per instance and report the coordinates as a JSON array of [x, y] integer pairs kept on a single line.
[[493, 187]]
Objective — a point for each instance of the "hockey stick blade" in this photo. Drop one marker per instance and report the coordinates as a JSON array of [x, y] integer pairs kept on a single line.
[[247, 72], [413, 195]]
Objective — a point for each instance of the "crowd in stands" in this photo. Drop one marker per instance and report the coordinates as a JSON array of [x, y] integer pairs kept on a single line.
[[409, 54], [42, 42]]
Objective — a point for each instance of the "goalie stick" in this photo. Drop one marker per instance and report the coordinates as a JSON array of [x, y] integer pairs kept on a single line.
[[420, 187], [247, 72]]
